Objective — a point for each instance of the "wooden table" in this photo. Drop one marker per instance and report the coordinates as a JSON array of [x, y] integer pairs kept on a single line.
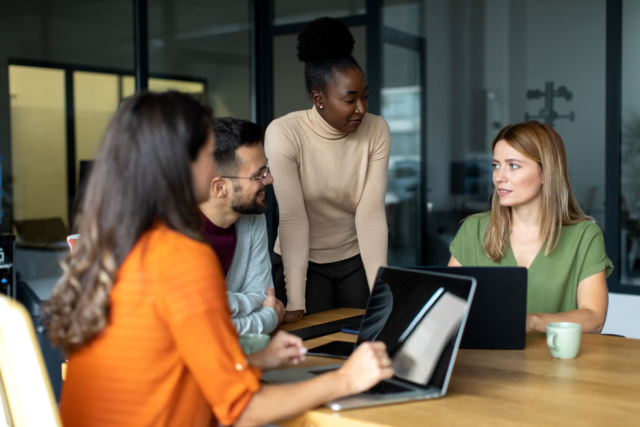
[[507, 387]]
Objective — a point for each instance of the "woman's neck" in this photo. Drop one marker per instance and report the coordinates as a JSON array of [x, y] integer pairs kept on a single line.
[[322, 128], [527, 216]]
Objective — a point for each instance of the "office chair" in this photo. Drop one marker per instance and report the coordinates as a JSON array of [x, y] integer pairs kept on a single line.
[[26, 398], [53, 358]]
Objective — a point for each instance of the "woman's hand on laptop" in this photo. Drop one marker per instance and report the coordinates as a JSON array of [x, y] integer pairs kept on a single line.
[[282, 347], [368, 365]]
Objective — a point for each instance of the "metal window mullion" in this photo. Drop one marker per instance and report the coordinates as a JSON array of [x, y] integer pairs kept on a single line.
[[141, 44]]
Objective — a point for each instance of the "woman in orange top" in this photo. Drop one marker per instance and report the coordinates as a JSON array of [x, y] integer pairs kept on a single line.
[[141, 308]]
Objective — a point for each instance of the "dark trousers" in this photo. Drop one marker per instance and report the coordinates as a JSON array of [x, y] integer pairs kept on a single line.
[[332, 285]]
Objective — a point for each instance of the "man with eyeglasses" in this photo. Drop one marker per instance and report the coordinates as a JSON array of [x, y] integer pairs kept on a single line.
[[236, 228]]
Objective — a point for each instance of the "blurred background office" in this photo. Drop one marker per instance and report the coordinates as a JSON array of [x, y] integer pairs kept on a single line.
[[445, 74]]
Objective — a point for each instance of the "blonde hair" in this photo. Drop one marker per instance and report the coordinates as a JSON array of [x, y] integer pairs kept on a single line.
[[543, 145]]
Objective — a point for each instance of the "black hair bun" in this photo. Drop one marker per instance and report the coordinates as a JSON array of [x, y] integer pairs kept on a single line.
[[325, 39]]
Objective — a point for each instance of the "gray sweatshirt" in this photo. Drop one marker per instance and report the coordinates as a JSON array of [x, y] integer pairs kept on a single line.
[[249, 277]]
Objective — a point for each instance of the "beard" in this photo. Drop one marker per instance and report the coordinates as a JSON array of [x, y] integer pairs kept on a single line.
[[252, 207]]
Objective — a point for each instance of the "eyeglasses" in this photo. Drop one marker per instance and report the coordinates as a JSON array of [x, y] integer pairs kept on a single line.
[[262, 176]]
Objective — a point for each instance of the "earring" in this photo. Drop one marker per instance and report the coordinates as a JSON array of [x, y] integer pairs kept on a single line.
[[321, 107]]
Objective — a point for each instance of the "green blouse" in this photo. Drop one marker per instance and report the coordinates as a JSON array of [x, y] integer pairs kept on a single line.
[[553, 279]]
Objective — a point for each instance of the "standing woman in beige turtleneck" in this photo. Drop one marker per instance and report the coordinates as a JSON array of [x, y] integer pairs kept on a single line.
[[330, 169]]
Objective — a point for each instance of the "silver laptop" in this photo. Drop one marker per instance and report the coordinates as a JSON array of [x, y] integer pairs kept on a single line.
[[420, 316]]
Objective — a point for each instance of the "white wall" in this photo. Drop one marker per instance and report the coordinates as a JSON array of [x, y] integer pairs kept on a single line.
[[566, 44], [623, 317]]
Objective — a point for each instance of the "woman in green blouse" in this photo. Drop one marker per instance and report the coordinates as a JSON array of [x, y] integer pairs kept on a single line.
[[536, 222]]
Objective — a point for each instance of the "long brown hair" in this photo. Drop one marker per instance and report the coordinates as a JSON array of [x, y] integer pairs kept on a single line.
[[543, 145], [142, 174]]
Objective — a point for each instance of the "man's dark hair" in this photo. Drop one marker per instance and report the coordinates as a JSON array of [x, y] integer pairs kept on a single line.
[[232, 134]]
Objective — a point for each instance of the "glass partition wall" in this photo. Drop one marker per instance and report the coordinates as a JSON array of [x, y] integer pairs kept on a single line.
[[629, 218], [445, 74], [492, 63]]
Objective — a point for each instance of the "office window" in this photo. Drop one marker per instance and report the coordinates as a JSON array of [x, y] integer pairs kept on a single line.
[[630, 147], [401, 108], [96, 98], [294, 11], [207, 43], [483, 59], [404, 15], [38, 144], [194, 88], [42, 39]]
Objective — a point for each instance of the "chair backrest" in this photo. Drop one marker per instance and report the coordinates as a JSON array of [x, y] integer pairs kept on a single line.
[[26, 398]]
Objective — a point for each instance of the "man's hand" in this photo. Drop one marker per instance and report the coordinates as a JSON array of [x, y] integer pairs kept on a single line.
[[367, 366], [270, 300], [275, 304], [293, 316], [282, 347], [531, 322]]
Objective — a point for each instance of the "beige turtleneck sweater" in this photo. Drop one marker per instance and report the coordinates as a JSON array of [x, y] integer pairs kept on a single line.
[[330, 188]]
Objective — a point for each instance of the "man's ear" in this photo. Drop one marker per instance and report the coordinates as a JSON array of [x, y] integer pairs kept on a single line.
[[218, 188]]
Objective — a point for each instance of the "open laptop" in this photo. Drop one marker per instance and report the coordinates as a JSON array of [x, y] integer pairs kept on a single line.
[[420, 316], [498, 317]]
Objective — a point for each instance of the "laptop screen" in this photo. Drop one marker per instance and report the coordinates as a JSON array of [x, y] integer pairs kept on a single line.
[[417, 315]]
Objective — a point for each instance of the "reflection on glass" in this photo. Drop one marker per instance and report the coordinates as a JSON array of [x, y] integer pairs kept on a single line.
[[403, 15], [481, 62], [96, 98], [378, 310], [208, 42], [38, 144], [39, 139], [417, 358], [293, 11], [630, 199], [195, 88], [630, 147], [401, 106], [87, 33]]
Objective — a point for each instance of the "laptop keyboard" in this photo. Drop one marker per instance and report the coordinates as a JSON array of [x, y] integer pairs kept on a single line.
[[384, 387]]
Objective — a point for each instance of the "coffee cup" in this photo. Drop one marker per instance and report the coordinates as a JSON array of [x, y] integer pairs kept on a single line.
[[563, 339], [72, 239], [251, 343]]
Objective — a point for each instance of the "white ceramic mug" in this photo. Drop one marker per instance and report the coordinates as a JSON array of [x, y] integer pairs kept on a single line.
[[563, 339]]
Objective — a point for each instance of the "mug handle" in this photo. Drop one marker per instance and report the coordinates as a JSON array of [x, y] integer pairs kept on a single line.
[[551, 341]]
